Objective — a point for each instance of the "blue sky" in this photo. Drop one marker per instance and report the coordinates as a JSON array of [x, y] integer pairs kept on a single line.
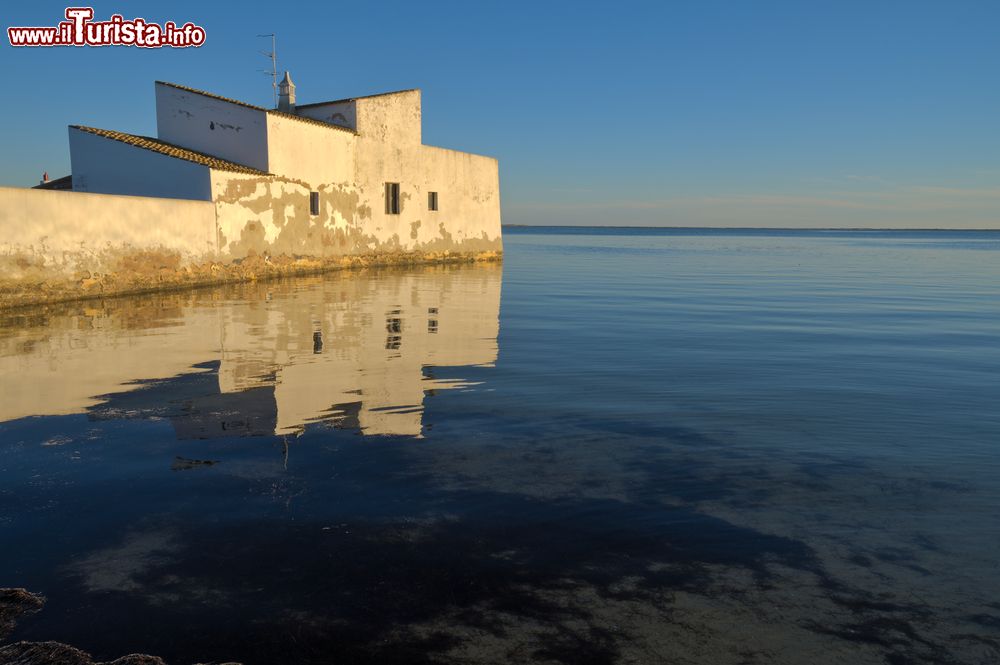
[[680, 113]]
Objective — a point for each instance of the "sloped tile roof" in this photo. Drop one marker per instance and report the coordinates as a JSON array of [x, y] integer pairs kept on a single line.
[[209, 94], [65, 182], [353, 99], [171, 150], [281, 114], [313, 121]]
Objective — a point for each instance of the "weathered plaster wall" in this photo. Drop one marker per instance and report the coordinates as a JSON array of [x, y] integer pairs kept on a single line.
[[389, 149], [63, 245], [197, 122], [392, 118], [105, 166], [271, 215]]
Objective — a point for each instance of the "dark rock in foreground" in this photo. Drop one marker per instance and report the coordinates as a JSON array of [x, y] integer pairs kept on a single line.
[[16, 603], [38, 653]]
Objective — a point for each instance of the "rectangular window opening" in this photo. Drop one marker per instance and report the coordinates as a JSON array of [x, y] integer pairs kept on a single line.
[[432, 200], [392, 198], [313, 203]]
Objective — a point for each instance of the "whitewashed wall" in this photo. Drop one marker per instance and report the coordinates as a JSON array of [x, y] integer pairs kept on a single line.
[[271, 215], [389, 149], [301, 150], [393, 118], [213, 126]]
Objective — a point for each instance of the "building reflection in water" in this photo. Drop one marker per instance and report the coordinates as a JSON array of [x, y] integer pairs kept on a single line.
[[352, 349]]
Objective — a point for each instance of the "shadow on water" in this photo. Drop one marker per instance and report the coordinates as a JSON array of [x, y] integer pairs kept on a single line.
[[352, 590], [386, 566]]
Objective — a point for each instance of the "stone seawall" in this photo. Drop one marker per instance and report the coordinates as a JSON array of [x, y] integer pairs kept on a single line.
[[142, 271], [57, 246]]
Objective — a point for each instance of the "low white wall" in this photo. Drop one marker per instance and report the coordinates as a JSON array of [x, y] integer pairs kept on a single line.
[[64, 232]]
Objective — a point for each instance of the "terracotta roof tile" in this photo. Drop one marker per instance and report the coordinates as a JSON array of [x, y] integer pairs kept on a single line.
[[314, 121], [352, 99], [208, 94], [171, 150], [258, 108]]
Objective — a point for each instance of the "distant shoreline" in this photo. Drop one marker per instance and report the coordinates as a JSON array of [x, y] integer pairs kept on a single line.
[[738, 228]]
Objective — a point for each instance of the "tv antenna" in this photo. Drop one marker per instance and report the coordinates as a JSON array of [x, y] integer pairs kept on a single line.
[[273, 71]]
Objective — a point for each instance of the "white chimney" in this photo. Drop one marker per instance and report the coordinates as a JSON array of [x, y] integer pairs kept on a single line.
[[286, 95]]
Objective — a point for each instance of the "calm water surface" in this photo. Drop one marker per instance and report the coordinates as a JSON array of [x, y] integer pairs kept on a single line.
[[655, 447]]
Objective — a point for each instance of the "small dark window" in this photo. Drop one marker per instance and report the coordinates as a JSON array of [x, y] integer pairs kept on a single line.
[[392, 198], [432, 200], [313, 203]]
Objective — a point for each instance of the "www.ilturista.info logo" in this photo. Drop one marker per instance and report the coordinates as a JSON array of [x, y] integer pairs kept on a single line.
[[81, 30]]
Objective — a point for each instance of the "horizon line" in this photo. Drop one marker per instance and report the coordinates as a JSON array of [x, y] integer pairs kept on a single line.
[[747, 228]]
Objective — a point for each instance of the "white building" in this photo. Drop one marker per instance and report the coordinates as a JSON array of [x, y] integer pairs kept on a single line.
[[328, 179]]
